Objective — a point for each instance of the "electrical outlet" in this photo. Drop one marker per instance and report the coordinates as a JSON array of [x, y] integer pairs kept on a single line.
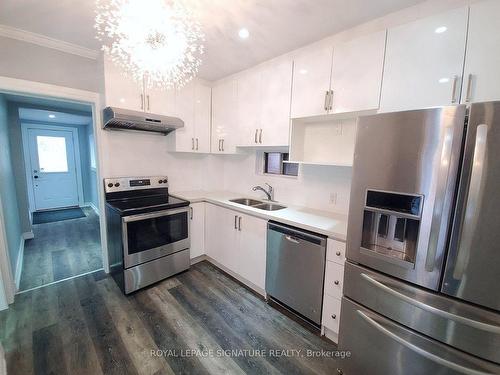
[[333, 198]]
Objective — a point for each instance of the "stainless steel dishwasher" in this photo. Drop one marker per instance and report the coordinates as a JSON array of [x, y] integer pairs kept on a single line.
[[295, 270]]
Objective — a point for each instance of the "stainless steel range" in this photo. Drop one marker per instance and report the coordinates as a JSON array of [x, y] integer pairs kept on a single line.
[[148, 231], [421, 291]]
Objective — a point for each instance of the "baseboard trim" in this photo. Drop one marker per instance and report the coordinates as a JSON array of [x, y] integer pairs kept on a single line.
[[198, 259], [92, 206]]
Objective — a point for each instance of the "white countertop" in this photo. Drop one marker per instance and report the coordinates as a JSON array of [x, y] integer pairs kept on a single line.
[[330, 224]]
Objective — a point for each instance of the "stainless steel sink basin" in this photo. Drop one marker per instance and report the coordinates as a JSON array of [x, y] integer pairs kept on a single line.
[[246, 201], [269, 206]]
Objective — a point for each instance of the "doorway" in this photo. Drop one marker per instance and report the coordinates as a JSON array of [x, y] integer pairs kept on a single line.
[[51, 166], [53, 180]]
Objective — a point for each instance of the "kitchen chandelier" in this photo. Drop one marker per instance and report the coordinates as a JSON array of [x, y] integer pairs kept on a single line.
[[157, 42]]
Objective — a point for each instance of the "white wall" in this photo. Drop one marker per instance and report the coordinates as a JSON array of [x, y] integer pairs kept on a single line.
[[312, 188], [35, 63]]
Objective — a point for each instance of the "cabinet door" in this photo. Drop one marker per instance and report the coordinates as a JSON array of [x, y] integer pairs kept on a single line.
[[311, 80], [184, 109], [160, 101], [482, 63], [202, 112], [276, 98], [357, 73], [424, 60], [221, 235], [224, 117], [249, 107], [197, 229], [251, 262], [120, 90]]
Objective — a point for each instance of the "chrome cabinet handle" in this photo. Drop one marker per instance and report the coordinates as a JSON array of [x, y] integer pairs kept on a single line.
[[147, 98], [469, 89], [196, 144], [191, 210], [336, 282], [219, 145], [192, 143], [338, 253], [235, 221], [454, 89], [255, 138], [239, 223], [421, 351], [327, 95], [330, 106], [222, 144], [260, 136], [473, 201], [434, 310], [334, 316], [142, 101]]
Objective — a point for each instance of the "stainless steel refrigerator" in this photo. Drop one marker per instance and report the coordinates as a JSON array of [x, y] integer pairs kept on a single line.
[[422, 280]]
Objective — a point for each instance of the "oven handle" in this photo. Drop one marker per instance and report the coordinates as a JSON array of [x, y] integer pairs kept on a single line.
[[152, 215]]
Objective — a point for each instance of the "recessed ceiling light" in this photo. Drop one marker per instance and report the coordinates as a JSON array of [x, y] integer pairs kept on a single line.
[[303, 71], [52, 116], [440, 29], [244, 33], [444, 80]]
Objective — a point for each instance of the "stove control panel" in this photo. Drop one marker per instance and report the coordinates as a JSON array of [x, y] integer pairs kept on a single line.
[[134, 183]]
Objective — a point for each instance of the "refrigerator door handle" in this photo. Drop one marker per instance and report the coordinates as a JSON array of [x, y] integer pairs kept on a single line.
[[444, 314], [421, 351], [474, 194], [436, 239]]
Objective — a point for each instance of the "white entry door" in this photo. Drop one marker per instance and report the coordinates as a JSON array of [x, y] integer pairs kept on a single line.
[[52, 160]]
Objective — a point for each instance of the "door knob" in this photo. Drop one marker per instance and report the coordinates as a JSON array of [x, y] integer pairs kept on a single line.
[[334, 316], [336, 282], [35, 176], [338, 253]]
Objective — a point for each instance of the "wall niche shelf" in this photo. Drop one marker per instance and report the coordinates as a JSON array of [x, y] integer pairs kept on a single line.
[[324, 140]]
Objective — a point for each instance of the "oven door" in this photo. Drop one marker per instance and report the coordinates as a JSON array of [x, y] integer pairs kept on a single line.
[[153, 235]]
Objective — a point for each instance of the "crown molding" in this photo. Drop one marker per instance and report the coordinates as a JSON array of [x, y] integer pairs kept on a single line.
[[45, 41]]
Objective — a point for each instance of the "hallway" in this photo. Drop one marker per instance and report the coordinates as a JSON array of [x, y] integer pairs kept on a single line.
[[62, 249]]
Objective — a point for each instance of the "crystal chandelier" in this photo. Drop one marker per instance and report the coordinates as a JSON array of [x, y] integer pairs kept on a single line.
[[153, 41]]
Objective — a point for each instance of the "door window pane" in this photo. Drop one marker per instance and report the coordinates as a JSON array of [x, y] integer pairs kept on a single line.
[[52, 156]]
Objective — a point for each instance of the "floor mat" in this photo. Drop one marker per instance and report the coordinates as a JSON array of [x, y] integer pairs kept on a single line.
[[57, 215]]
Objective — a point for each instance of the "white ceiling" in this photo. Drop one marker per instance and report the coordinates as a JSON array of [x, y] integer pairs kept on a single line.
[[276, 26], [41, 115]]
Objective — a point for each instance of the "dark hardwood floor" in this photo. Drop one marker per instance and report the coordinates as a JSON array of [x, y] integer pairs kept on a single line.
[[62, 249], [199, 322]]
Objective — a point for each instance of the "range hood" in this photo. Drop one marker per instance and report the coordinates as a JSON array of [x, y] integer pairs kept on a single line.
[[125, 119]]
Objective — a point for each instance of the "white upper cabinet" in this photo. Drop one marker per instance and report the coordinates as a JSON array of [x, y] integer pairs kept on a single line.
[[357, 73], [264, 96], [249, 107], [121, 91], [311, 81], [192, 105], [202, 116], [424, 61], [160, 101], [482, 62], [275, 98], [184, 138], [225, 117]]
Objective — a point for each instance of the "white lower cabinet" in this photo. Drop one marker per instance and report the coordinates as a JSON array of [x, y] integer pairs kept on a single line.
[[197, 229], [334, 283], [237, 242]]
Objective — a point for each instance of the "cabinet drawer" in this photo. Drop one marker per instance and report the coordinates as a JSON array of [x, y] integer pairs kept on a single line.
[[334, 279], [335, 251], [331, 313]]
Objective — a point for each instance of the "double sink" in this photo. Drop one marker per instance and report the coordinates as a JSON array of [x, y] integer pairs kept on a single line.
[[266, 206]]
